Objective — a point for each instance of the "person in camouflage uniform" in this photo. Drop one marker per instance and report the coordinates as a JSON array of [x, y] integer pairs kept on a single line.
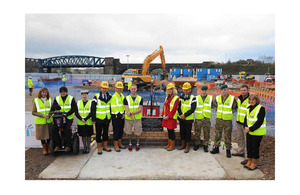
[[225, 105], [202, 118]]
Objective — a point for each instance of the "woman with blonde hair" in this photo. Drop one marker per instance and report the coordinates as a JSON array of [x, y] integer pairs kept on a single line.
[[255, 123], [169, 114], [43, 121]]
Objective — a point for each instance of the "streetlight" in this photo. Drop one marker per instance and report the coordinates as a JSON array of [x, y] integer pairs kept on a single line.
[[127, 61]]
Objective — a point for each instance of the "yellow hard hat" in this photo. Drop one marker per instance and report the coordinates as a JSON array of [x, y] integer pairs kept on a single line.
[[119, 84], [170, 86], [104, 84], [186, 85]]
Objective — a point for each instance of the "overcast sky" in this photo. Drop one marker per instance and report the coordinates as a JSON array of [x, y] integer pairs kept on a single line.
[[185, 38]]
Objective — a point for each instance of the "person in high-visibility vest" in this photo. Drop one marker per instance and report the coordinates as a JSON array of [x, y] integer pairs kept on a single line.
[[68, 106], [133, 115], [117, 115], [169, 115], [84, 120], [64, 80], [225, 105], [101, 116], [129, 84], [202, 118], [242, 103], [43, 121], [255, 123], [186, 109], [30, 85]]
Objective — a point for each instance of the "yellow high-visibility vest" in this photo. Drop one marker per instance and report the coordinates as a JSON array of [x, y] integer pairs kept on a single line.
[[252, 118], [224, 110], [65, 106], [133, 106], [203, 109], [42, 109], [84, 111]]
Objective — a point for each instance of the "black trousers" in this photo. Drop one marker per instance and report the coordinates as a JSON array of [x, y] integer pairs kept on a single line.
[[67, 131], [185, 130], [253, 143], [102, 130], [118, 126], [171, 134]]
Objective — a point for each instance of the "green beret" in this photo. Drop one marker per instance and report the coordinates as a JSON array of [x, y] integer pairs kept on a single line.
[[84, 91], [224, 86], [204, 87]]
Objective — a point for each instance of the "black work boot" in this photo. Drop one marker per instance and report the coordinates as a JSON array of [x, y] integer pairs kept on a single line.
[[205, 148], [196, 147], [228, 153], [215, 150]]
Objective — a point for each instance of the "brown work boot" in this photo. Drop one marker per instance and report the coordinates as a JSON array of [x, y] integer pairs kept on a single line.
[[244, 162], [253, 164], [187, 147], [182, 145], [99, 147], [45, 152], [120, 144], [107, 149], [116, 146], [172, 145], [56, 149], [67, 149], [248, 163], [166, 147]]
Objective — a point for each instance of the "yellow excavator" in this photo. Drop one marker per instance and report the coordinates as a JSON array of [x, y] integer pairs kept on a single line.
[[244, 75], [141, 77]]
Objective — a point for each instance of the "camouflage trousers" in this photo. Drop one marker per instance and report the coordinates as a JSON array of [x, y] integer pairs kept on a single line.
[[199, 124], [227, 126]]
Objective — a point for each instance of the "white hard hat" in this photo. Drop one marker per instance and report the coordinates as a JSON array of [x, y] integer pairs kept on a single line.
[[30, 77]]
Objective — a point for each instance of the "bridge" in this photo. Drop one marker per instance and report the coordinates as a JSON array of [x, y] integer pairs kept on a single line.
[[66, 62], [110, 64]]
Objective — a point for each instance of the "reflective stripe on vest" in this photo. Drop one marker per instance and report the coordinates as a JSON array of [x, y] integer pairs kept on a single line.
[[65, 106], [117, 105], [242, 110], [224, 110], [171, 106], [203, 109], [133, 106], [252, 118], [42, 109], [102, 108], [185, 106], [84, 111]]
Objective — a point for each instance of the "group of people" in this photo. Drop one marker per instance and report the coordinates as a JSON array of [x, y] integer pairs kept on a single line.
[[189, 109], [126, 114]]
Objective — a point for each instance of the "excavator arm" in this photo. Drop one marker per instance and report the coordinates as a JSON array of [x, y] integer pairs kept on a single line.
[[151, 57]]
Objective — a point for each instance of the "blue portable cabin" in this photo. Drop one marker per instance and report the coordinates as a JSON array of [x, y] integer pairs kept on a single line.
[[201, 73], [188, 72], [215, 71], [208, 77], [176, 72]]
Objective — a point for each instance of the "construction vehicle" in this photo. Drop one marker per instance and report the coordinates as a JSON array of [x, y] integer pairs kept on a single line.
[[141, 77], [244, 75], [225, 77]]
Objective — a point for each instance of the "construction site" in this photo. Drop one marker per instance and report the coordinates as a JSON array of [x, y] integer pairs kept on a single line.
[[151, 80]]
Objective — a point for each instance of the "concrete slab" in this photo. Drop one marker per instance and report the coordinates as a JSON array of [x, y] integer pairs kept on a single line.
[[66, 166], [152, 163], [233, 167]]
